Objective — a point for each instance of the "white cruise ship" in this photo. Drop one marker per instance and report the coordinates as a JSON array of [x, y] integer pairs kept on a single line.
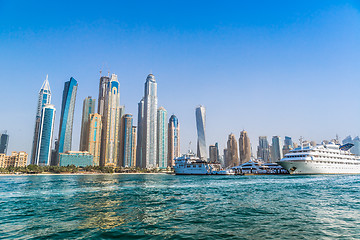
[[322, 159], [189, 164]]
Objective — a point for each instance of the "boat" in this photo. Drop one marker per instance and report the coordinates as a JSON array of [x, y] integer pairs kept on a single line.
[[324, 158], [190, 164], [258, 167]]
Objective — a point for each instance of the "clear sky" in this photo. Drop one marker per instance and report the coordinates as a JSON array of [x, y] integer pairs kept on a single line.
[[269, 67]]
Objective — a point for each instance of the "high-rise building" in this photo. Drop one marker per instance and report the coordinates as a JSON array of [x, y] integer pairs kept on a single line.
[[139, 134], [88, 108], [67, 116], [43, 99], [133, 146], [276, 149], [263, 151], [149, 124], [232, 152], [126, 141], [226, 157], [94, 141], [103, 90], [111, 124], [46, 131], [4, 141], [162, 136], [173, 140], [288, 145], [200, 126], [214, 153], [244, 147], [356, 148]]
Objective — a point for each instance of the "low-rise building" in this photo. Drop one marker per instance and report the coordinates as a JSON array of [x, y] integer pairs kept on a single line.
[[16, 159], [77, 158]]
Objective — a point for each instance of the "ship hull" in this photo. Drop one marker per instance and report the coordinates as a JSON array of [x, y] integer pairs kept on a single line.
[[308, 167]]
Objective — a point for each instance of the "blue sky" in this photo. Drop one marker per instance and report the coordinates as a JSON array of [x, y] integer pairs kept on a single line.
[[269, 67]]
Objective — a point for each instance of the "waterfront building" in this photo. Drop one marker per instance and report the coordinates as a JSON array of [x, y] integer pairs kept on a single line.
[[46, 132], [16, 159], [232, 158], [103, 90], [162, 136], [139, 134], [214, 153], [88, 108], [54, 153], [288, 145], [111, 124], [173, 140], [276, 149], [149, 124], [94, 141], [126, 141], [226, 157], [67, 116], [263, 151], [200, 126], [133, 146], [77, 158], [244, 147], [4, 141], [43, 99]]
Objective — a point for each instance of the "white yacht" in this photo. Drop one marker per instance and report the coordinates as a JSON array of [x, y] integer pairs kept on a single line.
[[189, 164], [322, 159]]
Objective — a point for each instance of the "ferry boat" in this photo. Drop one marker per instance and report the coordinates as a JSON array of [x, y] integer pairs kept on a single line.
[[322, 159], [190, 164]]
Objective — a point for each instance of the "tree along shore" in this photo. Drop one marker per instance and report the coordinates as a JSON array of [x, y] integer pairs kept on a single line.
[[35, 169]]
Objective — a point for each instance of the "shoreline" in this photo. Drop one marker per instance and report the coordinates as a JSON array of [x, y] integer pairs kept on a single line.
[[87, 173]]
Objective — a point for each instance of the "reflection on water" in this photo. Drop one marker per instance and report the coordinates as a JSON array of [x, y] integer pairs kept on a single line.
[[167, 206]]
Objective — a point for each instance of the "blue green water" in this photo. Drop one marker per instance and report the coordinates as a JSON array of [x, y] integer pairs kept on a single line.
[[179, 207]]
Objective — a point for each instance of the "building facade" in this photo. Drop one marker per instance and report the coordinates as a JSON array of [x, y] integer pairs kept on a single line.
[[111, 124], [288, 145], [126, 141], [16, 159], [4, 141], [232, 152], [263, 151], [88, 108], [200, 126], [173, 140], [95, 130], [149, 124], [46, 132], [276, 149], [139, 134], [67, 115], [133, 146], [43, 99], [214, 153], [103, 91], [77, 158], [244, 147], [162, 137]]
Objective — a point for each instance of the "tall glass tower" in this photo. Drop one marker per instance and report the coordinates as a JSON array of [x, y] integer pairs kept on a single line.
[[162, 135], [200, 125], [276, 149], [4, 141], [111, 124], [43, 99], [173, 140], [46, 131], [126, 141], [67, 115], [139, 134], [103, 89], [88, 108], [149, 124]]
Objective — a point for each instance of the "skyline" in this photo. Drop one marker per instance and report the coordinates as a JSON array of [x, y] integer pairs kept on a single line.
[[314, 46]]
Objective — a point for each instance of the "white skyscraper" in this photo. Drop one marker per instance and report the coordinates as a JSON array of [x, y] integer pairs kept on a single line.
[[200, 125], [149, 124], [43, 99]]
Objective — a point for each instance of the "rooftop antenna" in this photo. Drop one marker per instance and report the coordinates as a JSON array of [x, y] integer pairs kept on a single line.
[[108, 73], [100, 71]]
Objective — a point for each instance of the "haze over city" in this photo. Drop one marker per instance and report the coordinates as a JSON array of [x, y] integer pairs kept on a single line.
[[270, 68]]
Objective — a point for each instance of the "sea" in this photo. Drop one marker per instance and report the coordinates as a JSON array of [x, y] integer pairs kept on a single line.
[[163, 206]]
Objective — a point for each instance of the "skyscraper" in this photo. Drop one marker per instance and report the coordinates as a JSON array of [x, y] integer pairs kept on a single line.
[[232, 152], [133, 146], [173, 140], [43, 99], [149, 124], [288, 145], [162, 136], [103, 90], [214, 153], [111, 124], [244, 147], [4, 141], [139, 134], [94, 141], [276, 149], [126, 141], [200, 126], [46, 131], [67, 116], [263, 151], [88, 108]]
